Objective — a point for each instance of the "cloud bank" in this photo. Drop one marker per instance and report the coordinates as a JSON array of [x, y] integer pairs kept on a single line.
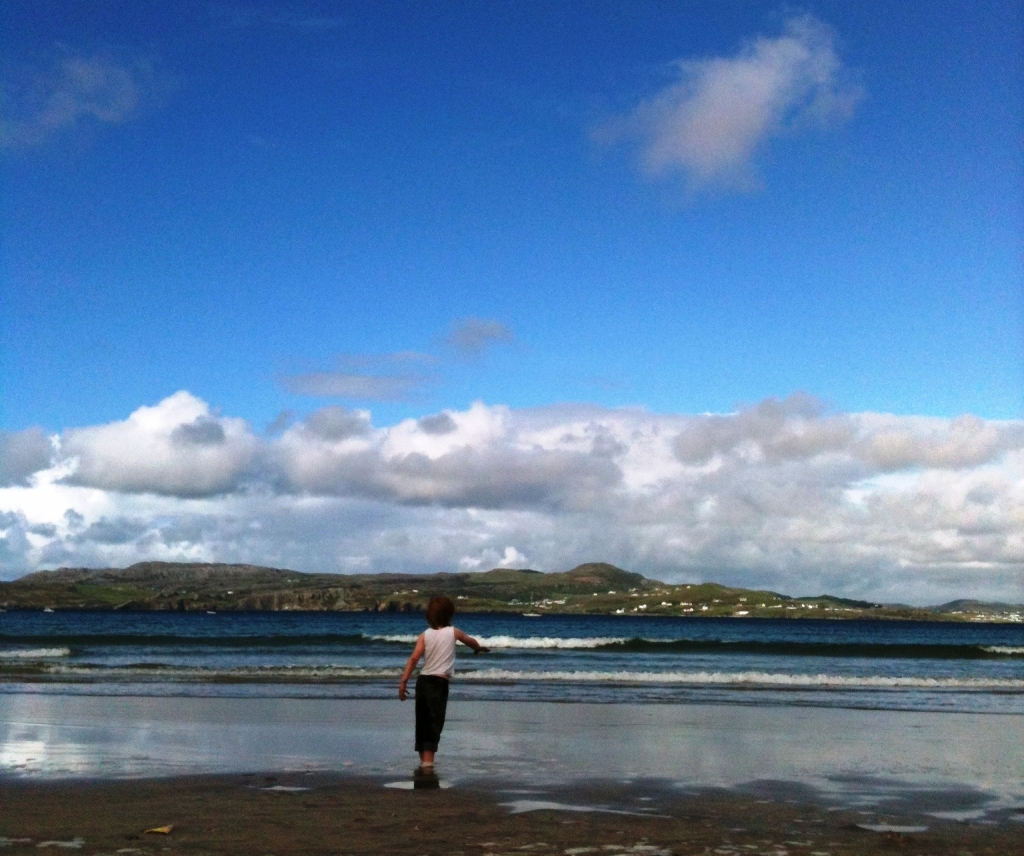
[[710, 123], [786, 494]]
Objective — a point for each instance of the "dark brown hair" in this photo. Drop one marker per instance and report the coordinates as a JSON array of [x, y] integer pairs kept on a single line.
[[440, 611]]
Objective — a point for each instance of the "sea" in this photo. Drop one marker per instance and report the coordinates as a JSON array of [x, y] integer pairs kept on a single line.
[[965, 667]]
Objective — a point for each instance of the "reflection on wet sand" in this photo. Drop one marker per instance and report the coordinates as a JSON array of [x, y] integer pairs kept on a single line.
[[846, 757], [425, 779]]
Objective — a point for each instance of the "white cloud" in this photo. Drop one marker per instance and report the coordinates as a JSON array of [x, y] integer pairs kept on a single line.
[[74, 89], [480, 462], [899, 444], [177, 447], [711, 122], [491, 558], [783, 494]]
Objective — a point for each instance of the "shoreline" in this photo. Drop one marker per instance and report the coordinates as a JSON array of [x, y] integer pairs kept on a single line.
[[314, 813], [884, 613], [838, 758]]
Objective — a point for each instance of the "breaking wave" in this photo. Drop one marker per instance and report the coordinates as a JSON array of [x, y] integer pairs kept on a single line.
[[749, 679], [524, 642], [238, 674], [335, 673], [640, 645], [35, 653], [58, 646]]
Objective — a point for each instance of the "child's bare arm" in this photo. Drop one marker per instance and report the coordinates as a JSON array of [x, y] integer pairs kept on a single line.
[[466, 639], [414, 658]]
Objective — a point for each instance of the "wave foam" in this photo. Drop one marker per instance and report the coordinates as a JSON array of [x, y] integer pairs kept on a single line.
[[339, 673], [520, 642], [303, 674], [35, 654], [1009, 650], [748, 679]]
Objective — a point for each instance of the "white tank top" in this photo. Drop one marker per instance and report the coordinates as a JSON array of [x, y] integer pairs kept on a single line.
[[439, 652]]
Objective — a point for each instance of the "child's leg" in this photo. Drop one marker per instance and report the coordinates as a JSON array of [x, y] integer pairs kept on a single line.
[[431, 701]]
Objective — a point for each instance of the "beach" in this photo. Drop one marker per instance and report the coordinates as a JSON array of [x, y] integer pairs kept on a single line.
[[318, 776], [283, 734], [847, 757], [320, 814]]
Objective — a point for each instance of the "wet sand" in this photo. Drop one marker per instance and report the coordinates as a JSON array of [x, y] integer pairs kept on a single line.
[[331, 814], [968, 765], [524, 778]]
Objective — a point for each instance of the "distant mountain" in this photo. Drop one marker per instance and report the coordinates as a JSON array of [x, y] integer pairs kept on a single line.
[[159, 573], [979, 606], [202, 586], [592, 588]]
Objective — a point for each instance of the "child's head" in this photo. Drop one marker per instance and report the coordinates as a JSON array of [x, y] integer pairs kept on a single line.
[[440, 611]]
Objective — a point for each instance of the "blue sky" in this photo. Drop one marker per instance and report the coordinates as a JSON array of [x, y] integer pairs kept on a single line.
[[405, 208], [303, 182]]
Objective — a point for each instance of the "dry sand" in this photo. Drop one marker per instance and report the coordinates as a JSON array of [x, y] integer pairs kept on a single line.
[[240, 814]]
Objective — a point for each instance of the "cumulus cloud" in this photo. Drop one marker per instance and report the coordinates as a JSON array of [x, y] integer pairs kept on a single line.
[[786, 494], [336, 423], [439, 423], [967, 441], [491, 558], [177, 447], [470, 337], [710, 123], [15, 547], [201, 431], [794, 428], [74, 89], [23, 453], [469, 459]]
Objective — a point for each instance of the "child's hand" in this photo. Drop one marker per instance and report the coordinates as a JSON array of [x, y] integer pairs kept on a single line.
[[482, 650], [402, 694]]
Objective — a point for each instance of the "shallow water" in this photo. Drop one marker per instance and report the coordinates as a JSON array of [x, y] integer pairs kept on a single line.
[[848, 757], [615, 659], [855, 713]]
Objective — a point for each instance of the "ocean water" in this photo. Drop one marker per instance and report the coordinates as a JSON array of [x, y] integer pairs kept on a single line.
[[860, 665]]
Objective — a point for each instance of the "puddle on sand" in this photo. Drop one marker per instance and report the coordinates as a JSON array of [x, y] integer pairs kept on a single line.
[[423, 779], [521, 806], [890, 827]]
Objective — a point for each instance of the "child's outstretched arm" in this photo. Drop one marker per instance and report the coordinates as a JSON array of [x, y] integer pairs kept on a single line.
[[414, 658], [466, 639]]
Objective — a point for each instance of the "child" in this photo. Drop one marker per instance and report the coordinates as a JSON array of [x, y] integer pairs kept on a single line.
[[437, 647]]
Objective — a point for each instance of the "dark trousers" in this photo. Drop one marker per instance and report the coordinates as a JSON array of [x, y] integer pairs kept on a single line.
[[431, 704]]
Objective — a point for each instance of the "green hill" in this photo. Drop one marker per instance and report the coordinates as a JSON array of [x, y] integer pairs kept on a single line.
[[592, 588]]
